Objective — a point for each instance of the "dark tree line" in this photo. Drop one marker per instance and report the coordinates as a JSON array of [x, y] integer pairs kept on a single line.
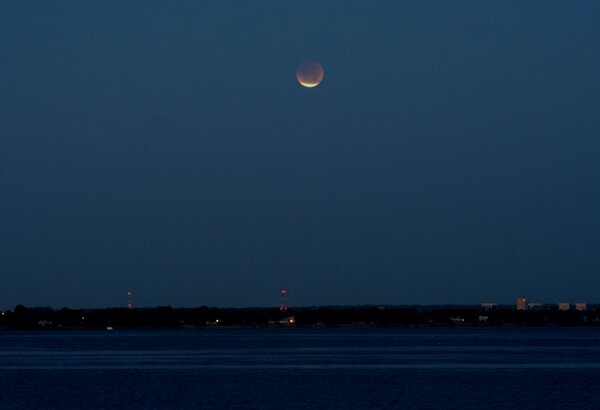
[[168, 317]]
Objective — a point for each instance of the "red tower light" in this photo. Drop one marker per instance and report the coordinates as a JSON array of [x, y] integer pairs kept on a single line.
[[283, 306]]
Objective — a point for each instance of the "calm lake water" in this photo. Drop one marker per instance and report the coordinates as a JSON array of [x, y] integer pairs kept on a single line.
[[461, 368]]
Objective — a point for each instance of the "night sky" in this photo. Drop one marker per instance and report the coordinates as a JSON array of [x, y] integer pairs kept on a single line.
[[450, 155]]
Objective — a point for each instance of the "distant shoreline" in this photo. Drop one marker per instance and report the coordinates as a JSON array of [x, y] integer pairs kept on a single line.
[[167, 317]]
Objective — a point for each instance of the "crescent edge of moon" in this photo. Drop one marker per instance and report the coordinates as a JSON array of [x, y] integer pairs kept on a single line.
[[308, 85]]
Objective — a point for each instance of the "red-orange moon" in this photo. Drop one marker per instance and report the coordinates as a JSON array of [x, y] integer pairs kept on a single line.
[[310, 74]]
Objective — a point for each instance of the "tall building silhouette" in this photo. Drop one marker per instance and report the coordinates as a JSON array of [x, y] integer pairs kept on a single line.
[[522, 303]]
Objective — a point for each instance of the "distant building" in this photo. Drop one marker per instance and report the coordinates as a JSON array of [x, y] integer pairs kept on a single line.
[[582, 307], [522, 303], [489, 306], [290, 320], [535, 306], [564, 306]]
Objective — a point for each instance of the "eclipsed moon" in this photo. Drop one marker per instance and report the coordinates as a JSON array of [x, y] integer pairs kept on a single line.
[[310, 74]]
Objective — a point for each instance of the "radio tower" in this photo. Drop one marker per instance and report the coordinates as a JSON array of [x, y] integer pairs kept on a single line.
[[129, 303], [283, 307]]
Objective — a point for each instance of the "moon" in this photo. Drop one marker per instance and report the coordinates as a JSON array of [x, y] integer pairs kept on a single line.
[[310, 74]]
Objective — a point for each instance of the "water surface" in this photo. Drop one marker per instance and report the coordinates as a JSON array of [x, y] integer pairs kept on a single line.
[[299, 368]]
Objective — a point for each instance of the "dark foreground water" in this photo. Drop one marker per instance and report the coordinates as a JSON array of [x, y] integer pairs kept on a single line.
[[295, 368]]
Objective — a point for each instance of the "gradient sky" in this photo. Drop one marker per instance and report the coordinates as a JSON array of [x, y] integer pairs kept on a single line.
[[451, 154]]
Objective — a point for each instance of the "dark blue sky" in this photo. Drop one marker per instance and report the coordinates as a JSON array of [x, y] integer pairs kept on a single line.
[[451, 154]]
